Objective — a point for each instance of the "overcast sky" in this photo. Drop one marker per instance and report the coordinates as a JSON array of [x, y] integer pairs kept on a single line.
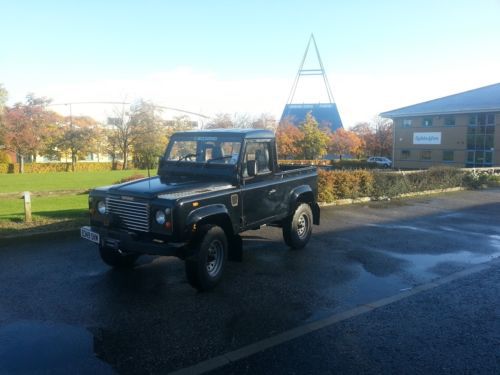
[[242, 56]]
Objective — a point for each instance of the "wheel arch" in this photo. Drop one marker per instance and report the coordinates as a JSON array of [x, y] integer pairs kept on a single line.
[[216, 214], [304, 194]]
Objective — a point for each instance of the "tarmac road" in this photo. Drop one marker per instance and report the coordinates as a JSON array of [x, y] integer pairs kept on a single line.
[[64, 309]]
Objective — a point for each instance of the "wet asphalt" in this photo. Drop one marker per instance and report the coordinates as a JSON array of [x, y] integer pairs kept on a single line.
[[62, 308]]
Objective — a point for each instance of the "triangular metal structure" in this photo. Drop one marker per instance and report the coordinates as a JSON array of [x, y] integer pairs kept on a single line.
[[325, 113]]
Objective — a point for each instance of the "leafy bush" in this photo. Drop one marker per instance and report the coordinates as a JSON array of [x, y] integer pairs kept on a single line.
[[4, 157], [342, 184], [480, 179], [333, 185], [352, 164], [58, 167]]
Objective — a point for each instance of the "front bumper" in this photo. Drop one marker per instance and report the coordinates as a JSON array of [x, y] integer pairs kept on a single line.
[[130, 242]]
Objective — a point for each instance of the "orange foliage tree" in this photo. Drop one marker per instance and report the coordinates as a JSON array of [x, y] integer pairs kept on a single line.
[[344, 142], [288, 137]]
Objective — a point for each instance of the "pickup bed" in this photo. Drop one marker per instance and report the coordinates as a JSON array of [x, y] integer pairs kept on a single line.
[[211, 186]]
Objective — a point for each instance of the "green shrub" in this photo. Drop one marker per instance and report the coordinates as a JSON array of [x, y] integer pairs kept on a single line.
[[342, 184], [475, 179], [4, 158], [333, 185], [58, 167], [352, 164]]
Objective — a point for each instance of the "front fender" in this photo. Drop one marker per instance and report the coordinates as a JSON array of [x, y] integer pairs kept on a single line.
[[201, 213]]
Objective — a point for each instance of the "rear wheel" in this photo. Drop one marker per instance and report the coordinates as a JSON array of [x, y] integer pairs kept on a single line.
[[204, 269], [297, 228], [115, 258]]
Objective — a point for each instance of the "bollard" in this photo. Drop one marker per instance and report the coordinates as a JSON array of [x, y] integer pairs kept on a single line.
[[27, 207]]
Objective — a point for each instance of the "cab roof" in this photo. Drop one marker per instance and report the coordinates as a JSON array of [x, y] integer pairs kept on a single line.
[[232, 132]]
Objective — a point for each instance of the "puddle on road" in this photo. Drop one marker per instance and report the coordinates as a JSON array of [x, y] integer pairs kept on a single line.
[[427, 267], [48, 348], [415, 269]]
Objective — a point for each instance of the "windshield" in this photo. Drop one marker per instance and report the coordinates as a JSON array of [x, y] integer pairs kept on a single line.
[[204, 150]]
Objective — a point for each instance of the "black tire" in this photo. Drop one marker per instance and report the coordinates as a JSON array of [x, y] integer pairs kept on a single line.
[[297, 228], [116, 259], [205, 268]]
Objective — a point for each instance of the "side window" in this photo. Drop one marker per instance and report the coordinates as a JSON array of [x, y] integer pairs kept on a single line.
[[258, 151]]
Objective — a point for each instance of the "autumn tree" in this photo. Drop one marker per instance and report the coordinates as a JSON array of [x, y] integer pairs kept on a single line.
[[288, 137], [76, 138], [383, 136], [314, 143], [377, 136], [221, 121], [25, 127], [150, 139], [344, 142], [125, 131], [4, 95], [264, 121], [178, 124], [3, 100]]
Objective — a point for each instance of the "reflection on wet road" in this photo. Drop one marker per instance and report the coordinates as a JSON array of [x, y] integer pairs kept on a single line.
[[60, 305]]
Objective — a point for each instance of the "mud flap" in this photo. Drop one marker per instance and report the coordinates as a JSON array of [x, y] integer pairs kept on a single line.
[[235, 253]]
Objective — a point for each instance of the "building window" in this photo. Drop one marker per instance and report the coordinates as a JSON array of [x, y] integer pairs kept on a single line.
[[482, 119], [480, 140], [405, 154], [427, 121], [425, 155], [406, 123], [472, 119], [449, 121], [448, 155]]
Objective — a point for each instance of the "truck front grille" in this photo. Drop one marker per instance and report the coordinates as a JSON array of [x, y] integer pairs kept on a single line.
[[130, 215]]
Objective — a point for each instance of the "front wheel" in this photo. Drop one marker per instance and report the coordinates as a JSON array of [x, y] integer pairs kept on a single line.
[[297, 228], [204, 269], [115, 258]]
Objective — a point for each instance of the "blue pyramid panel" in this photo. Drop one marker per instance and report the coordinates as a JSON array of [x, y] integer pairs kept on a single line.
[[325, 114]]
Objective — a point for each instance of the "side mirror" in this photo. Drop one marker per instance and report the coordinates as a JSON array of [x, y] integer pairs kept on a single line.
[[251, 168], [161, 162]]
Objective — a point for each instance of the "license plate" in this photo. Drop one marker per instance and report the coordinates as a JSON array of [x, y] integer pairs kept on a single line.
[[88, 234]]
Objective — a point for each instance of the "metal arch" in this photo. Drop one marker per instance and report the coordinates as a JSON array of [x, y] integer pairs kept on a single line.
[[128, 103], [310, 72]]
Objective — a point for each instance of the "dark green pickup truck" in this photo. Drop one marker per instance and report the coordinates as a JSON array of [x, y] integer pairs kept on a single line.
[[211, 186]]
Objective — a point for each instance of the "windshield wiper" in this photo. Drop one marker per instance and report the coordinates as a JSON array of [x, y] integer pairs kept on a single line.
[[187, 156]]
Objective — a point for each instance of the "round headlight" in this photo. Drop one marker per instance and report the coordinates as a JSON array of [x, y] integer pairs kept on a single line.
[[160, 217], [101, 207]]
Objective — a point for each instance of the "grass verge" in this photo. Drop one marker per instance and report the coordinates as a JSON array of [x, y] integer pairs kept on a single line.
[[54, 181]]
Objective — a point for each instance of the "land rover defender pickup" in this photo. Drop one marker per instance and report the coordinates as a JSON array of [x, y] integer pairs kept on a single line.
[[211, 186]]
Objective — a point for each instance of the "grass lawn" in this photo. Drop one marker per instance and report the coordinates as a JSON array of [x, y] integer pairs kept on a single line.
[[48, 214], [54, 181], [64, 210]]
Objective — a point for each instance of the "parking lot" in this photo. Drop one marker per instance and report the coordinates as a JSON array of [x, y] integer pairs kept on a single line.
[[61, 306]]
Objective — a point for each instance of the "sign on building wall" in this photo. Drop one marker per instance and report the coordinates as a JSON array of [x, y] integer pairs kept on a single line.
[[433, 138]]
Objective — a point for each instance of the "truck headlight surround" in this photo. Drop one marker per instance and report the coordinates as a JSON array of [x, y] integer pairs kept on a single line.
[[101, 207], [160, 217]]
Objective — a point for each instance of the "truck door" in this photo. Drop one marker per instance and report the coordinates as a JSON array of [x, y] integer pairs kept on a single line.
[[260, 193]]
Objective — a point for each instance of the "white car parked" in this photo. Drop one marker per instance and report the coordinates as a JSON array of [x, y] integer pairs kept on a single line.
[[381, 161]]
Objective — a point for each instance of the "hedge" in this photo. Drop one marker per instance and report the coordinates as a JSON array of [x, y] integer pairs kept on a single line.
[[58, 167], [333, 164], [334, 185]]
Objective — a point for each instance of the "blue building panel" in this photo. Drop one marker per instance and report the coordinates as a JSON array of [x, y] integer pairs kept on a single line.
[[326, 114]]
